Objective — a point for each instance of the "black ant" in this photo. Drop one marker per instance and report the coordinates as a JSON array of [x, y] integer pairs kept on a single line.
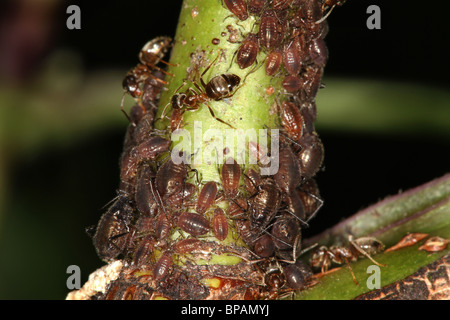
[[219, 87]]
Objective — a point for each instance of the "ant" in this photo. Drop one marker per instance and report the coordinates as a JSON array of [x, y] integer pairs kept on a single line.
[[364, 246], [151, 54], [218, 88]]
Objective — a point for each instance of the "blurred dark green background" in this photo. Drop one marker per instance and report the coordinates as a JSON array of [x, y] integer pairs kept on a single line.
[[384, 119]]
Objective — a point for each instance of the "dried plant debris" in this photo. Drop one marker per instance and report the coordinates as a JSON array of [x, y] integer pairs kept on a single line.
[[180, 237]]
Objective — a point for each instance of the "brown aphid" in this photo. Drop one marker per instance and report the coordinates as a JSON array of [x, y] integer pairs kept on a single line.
[[162, 226], [144, 252], [163, 266], [264, 204], [258, 153], [281, 4], [112, 235], [273, 62], [295, 206], [408, 240], [291, 59], [220, 224], [231, 176], [247, 234], [237, 208], [264, 246], [311, 155], [128, 170], [289, 175], [238, 8], [247, 52], [310, 82], [186, 245], [255, 6], [193, 223], [312, 12], [309, 194], [297, 275], [292, 120], [252, 180], [151, 148], [308, 110], [285, 232], [271, 31], [318, 52], [170, 178], [292, 83], [435, 244], [176, 200], [206, 197], [146, 195]]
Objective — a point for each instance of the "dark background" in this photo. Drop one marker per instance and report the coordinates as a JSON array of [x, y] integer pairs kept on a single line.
[[69, 186]]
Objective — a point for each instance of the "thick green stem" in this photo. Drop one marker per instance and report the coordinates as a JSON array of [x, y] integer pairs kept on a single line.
[[205, 26]]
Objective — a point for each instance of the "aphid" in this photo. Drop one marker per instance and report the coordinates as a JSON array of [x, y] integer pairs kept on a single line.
[[193, 223], [264, 204], [144, 252], [285, 232], [231, 176], [206, 197], [310, 82], [238, 8], [258, 153], [252, 180], [289, 174], [291, 59], [271, 31], [264, 246], [151, 148], [162, 226], [292, 120], [308, 192], [295, 205], [146, 196], [218, 88], [273, 62], [163, 266], [176, 200], [292, 83], [186, 245], [297, 275], [318, 52], [255, 6], [248, 51], [220, 224], [312, 13], [308, 111], [112, 235], [170, 178], [311, 155], [281, 4]]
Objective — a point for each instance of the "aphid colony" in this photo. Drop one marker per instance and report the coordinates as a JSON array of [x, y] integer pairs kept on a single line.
[[160, 223]]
